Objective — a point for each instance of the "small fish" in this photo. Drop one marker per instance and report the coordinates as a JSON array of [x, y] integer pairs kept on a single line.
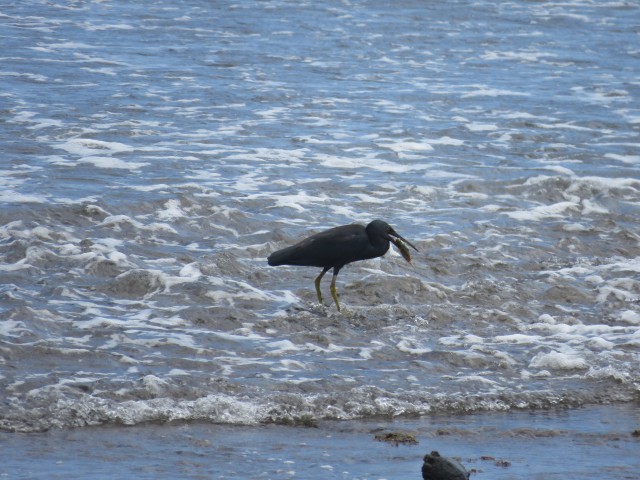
[[404, 250]]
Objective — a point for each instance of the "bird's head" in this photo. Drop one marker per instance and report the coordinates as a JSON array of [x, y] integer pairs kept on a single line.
[[394, 237]]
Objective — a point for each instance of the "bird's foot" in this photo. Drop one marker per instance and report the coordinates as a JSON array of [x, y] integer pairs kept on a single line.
[[354, 316], [318, 308]]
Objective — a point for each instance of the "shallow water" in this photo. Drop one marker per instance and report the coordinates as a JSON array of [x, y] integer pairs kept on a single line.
[[154, 155], [592, 442]]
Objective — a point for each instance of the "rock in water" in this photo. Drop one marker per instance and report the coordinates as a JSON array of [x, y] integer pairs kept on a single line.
[[436, 467]]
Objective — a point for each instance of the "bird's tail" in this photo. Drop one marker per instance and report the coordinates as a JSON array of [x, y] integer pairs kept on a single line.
[[279, 258]]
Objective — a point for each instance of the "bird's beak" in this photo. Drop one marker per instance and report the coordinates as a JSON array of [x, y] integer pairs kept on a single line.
[[399, 241]]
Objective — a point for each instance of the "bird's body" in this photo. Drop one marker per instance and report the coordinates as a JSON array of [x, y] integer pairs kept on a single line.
[[339, 246], [332, 248]]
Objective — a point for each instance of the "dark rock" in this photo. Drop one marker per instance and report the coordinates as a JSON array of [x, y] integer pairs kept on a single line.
[[498, 462], [436, 467], [397, 438]]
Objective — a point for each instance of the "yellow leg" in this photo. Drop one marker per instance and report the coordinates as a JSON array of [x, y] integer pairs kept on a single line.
[[317, 282], [334, 294]]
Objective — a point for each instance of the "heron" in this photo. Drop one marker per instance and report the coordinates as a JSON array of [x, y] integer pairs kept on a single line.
[[339, 246]]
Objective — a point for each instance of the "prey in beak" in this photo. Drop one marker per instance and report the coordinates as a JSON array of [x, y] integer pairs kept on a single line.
[[401, 243]]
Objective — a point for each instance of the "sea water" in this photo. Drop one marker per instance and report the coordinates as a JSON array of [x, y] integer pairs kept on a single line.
[[154, 154]]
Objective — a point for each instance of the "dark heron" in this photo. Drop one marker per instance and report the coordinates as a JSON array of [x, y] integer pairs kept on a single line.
[[336, 247]]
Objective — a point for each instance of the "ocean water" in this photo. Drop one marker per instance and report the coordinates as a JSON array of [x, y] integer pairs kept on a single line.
[[591, 442], [155, 153]]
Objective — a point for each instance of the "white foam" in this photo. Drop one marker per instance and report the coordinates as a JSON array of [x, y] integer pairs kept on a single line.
[[600, 95], [11, 196], [103, 71], [575, 227], [472, 339], [630, 316], [402, 146], [491, 208], [85, 147], [612, 290], [561, 170], [288, 365], [485, 91], [589, 208], [172, 211], [41, 123], [34, 77], [481, 127], [604, 184], [12, 328], [546, 318], [234, 290], [558, 361], [476, 379], [518, 338], [71, 45], [522, 56], [422, 190], [365, 198], [98, 322], [370, 162], [273, 113], [110, 162], [299, 200], [542, 212], [116, 221], [445, 140], [599, 343], [626, 264], [594, 279], [408, 346], [113, 220], [120, 259], [154, 385], [597, 183], [191, 271], [630, 159], [451, 341], [282, 346]]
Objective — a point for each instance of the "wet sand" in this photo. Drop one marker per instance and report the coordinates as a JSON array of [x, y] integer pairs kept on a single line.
[[594, 442]]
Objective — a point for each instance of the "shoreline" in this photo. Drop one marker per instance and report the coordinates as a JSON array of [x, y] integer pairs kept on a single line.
[[588, 442]]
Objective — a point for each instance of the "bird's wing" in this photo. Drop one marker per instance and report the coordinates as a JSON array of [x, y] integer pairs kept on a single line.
[[337, 246], [332, 248]]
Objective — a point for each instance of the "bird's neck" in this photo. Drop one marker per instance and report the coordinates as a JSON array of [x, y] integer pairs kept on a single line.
[[377, 248]]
